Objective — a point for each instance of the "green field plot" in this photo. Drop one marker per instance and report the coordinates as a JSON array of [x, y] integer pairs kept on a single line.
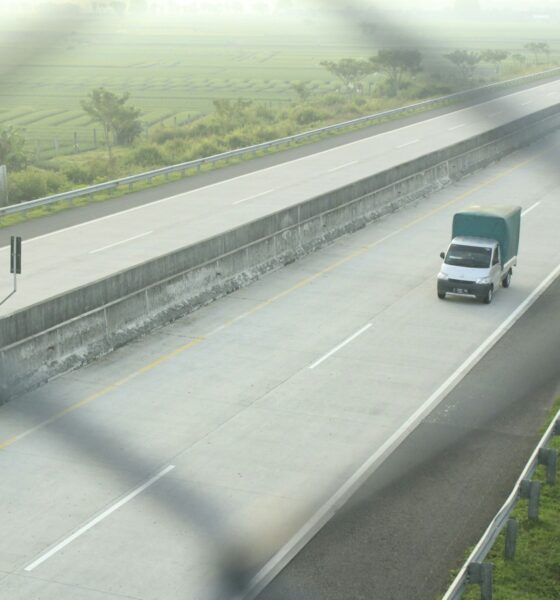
[[174, 69]]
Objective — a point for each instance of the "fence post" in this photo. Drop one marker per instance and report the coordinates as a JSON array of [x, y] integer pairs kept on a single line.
[[3, 185], [511, 539], [95, 138], [532, 491], [549, 457], [481, 573]]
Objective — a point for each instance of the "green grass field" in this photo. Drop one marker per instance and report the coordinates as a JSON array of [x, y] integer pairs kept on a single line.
[[174, 69]]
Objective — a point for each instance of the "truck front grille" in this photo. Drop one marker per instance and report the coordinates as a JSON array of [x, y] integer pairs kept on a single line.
[[460, 281]]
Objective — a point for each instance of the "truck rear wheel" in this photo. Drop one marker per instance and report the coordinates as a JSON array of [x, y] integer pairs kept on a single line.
[[506, 281], [489, 295]]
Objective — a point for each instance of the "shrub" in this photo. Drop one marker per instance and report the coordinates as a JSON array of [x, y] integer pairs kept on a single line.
[[32, 183], [308, 115], [161, 134], [101, 169], [148, 155], [207, 147], [76, 173], [238, 139]]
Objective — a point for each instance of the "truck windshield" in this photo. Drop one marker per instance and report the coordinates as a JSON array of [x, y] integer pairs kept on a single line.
[[474, 257]]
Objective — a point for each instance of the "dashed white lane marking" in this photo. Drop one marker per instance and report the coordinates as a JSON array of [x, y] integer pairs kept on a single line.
[[130, 239], [341, 345], [408, 143], [527, 103], [99, 518], [343, 166], [456, 127], [253, 197], [351, 485]]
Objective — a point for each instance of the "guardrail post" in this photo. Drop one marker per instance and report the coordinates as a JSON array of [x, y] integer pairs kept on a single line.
[[532, 490], [481, 573], [549, 457], [511, 539], [557, 427]]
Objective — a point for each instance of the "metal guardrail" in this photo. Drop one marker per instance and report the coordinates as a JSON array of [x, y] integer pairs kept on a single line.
[[224, 156], [470, 571]]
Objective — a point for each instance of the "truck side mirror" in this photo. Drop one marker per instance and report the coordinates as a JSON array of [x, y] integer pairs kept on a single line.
[[442, 255]]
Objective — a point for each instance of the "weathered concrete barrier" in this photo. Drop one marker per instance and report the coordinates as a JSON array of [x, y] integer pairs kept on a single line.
[[67, 331]]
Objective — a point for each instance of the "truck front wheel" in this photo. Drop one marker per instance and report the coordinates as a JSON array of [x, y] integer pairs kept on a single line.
[[441, 295], [489, 295], [506, 281]]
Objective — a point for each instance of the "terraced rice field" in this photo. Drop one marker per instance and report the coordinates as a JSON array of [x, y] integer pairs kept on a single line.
[[173, 69]]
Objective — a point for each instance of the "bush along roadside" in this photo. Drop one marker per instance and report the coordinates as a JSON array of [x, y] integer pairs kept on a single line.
[[525, 559], [233, 124]]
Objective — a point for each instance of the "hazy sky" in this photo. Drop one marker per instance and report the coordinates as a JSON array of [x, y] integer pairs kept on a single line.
[[413, 4]]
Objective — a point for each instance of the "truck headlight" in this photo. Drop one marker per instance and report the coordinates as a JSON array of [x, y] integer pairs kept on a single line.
[[442, 276], [484, 280]]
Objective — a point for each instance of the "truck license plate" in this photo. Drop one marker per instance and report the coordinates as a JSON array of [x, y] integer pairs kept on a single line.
[[460, 291]]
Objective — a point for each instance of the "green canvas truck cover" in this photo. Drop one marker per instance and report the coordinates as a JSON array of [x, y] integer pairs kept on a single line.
[[501, 223]]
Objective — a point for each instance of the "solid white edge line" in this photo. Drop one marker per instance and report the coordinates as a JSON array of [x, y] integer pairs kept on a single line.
[[130, 239], [528, 210], [253, 197], [97, 519], [206, 187], [341, 345], [456, 127], [345, 492], [407, 144]]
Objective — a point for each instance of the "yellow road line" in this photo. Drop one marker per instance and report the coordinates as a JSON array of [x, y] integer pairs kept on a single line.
[[113, 386], [302, 283]]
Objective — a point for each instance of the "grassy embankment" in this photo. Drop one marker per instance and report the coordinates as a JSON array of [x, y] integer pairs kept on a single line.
[[174, 72], [534, 574]]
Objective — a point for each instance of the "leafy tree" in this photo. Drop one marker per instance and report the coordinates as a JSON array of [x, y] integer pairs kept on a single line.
[[12, 148], [396, 64], [301, 88], [231, 109], [520, 58], [494, 57], [546, 50], [465, 61], [349, 70], [121, 123], [538, 48]]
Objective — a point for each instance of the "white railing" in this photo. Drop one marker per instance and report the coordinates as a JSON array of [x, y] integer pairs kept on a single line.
[[474, 570]]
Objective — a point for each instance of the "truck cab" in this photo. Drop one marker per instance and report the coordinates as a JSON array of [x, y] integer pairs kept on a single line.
[[471, 267]]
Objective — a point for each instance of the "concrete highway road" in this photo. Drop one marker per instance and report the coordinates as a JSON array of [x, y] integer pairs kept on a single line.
[[130, 478], [63, 260], [434, 497]]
